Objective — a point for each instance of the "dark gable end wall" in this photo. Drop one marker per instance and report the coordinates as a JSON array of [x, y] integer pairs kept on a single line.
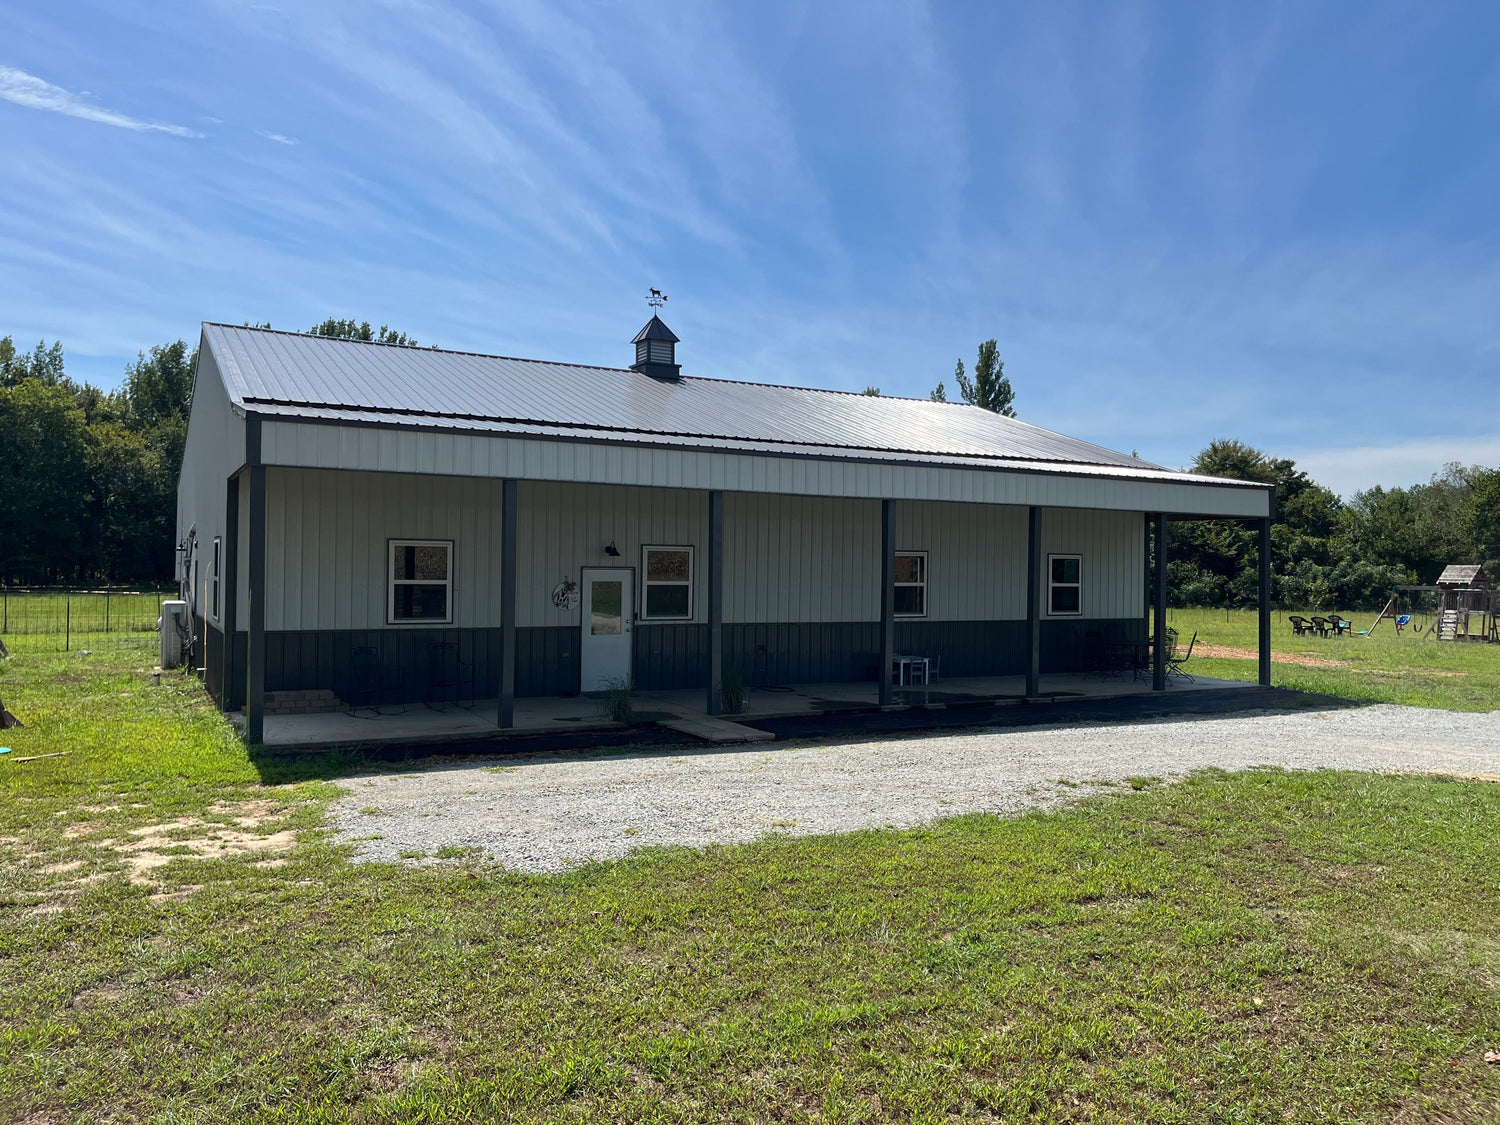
[[666, 656]]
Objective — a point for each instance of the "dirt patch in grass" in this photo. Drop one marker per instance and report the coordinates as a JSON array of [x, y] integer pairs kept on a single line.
[[158, 844], [1224, 652]]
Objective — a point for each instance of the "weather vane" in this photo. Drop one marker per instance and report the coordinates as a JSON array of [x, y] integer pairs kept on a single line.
[[657, 299]]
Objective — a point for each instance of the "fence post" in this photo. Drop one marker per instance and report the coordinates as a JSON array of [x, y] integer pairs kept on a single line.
[[106, 609], [68, 625]]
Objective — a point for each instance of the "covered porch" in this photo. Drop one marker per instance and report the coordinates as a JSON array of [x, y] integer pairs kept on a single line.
[[683, 711]]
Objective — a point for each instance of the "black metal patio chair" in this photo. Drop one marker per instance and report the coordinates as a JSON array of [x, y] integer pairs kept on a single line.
[[371, 684], [1175, 663], [450, 678]]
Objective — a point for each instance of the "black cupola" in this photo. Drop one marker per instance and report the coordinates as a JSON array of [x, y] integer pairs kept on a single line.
[[656, 351]]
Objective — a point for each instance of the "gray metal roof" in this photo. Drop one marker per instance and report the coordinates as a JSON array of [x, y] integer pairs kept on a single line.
[[289, 373]]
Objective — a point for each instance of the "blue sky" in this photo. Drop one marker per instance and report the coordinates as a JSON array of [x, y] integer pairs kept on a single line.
[[1181, 221]]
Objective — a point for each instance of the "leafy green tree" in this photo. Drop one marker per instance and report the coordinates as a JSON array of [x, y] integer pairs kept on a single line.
[[939, 393], [41, 363], [132, 504], [990, 387], [1484, 515], [44, 497], [361, 330], [159, 386], [872, 392]]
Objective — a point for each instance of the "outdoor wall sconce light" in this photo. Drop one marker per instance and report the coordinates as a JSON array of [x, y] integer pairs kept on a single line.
[[611, 550]]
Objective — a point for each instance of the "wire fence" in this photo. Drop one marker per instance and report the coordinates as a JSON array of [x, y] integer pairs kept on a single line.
[[80, 616]]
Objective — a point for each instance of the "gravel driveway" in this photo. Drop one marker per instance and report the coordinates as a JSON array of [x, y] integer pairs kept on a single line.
[[547, 814]]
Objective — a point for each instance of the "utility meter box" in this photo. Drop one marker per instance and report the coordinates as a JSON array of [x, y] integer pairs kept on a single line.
[[174, 633]]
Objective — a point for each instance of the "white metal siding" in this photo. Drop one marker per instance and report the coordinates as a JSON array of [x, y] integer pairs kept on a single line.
[[326, 536], [562, 528], [482, 455], [214, 448], [800, 558], [1113, 549], [787, 558], [976, 558]]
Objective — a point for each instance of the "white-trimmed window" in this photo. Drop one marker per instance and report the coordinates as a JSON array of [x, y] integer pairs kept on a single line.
[[911, 584], [420, 582], [213, 579], [1064, 585], [668, 583]]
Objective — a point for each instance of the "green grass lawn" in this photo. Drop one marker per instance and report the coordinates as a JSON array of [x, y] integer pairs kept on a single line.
[[1239, 948], [1383, 668]]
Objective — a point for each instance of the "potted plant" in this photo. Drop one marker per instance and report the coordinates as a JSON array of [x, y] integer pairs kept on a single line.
[[732, 692]]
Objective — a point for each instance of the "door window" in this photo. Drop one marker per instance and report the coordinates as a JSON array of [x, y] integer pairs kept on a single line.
[[606, 607]]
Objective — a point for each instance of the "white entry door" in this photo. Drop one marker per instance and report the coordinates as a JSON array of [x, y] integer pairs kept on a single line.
[[608, 610]]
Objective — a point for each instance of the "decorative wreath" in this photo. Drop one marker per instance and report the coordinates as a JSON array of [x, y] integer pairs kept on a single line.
[[565, 594]]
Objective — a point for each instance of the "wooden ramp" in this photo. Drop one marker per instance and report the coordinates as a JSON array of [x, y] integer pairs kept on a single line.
[[715, 730]]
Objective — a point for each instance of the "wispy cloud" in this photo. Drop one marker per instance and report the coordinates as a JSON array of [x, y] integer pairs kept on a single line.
[[30, 91], [1397, 464], [279, 138]]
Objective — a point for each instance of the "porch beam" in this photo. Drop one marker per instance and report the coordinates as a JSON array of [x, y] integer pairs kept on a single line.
[[506, 716], [255, 689], [1033, 602], [887, 598], [1159, 649], [715, 602], [229, 589], [1265, 603]]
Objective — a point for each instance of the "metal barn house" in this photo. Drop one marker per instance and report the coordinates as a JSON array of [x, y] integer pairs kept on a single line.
[[383, 526]]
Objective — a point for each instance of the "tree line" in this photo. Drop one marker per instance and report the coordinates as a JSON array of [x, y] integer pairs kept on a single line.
[[88, 478], [1328, 553], [88, 491]]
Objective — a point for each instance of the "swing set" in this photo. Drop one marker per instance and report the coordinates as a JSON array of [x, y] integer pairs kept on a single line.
[[1462, 606]]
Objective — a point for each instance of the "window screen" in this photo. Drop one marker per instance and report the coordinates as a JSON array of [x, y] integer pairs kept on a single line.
[[669, 582], [421, 581]]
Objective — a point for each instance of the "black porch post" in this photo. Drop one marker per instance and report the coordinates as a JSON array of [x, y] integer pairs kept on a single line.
[[255, 691], [715, 602], [1033, 602], [506, 712], [229, 589], [1265, 603], [1159, 649], [887, 597]]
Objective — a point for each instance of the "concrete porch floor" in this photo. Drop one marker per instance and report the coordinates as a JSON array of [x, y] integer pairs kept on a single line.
[[420, 724]]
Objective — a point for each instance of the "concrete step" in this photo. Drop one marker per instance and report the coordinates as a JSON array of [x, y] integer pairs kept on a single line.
[[715, 730]]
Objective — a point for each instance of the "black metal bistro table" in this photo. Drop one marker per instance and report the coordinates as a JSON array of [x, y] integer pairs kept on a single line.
[[1135, 656]]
